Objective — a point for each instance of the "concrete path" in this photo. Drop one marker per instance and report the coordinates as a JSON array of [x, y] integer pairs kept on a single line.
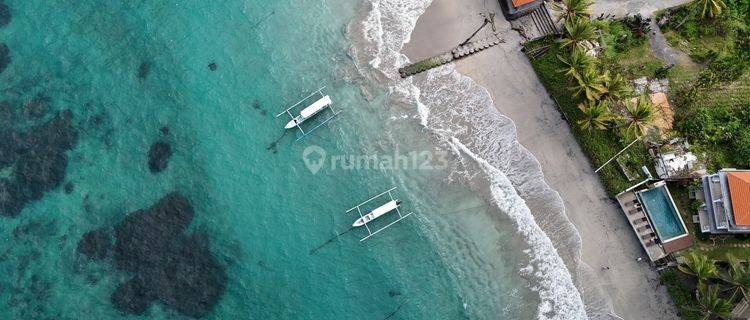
[[663, 50]]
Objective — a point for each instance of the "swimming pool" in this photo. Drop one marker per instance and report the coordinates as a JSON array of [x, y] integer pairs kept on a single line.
[[663, 214]]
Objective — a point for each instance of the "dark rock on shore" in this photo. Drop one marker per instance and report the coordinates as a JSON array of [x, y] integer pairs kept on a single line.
[[95, 244], [144, 69], [5, 15], [38, 159], [173, 268], [4, 57], [158, 156]]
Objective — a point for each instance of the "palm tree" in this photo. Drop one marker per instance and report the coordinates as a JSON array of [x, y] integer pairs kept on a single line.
[[698, 266], [588, 84], [738, 276], [710, 8], [709, 303], [578, 31], [616, 88], [639, 117], [576, 62], [596, 115], [572, 9]]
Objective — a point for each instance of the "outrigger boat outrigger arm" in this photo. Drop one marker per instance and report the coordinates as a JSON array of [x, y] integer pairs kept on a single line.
[[380, 211], [323, 102]]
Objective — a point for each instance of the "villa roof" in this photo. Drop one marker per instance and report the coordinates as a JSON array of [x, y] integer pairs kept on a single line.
[[518, 3], [739, 191]]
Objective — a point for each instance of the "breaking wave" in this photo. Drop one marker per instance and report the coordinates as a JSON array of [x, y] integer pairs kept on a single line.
[[461, 116]]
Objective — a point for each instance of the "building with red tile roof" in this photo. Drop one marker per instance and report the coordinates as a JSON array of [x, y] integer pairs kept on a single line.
[[726, 208]]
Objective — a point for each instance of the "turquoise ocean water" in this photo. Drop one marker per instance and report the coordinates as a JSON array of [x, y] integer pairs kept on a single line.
[[262, 209]]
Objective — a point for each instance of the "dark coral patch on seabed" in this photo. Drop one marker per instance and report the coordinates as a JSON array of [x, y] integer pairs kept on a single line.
[[95, 244], [38, 161], [5, 15], [37, 106], [143, 70], [4, 57], [158, 156], [176, 269]]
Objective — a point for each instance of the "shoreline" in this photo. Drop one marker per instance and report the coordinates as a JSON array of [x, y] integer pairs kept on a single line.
[[631, 287]]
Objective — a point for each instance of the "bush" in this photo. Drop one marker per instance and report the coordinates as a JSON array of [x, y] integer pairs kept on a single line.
[[621, 38], [681, 295], [742, 149], [728, 66], [715, 126]]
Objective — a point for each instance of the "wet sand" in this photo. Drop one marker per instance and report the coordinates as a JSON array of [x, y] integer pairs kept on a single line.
[[632, 287]]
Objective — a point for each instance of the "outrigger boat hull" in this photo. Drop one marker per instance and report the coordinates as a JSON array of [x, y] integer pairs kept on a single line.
[[309, 111], [378, 212]]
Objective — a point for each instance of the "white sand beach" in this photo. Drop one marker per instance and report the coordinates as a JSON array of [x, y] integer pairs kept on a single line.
[[608, 241]]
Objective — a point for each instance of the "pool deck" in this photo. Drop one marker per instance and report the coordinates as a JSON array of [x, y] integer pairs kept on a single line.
[[641, 225], [655, 247]]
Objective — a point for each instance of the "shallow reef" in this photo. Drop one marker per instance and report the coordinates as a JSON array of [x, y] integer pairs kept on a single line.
[[143, 70], [5, 14], [95, 244], [4, 57], [36, 159], [167, 265], [37, 106], [158, 156]]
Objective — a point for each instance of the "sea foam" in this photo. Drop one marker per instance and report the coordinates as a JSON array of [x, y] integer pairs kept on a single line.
[[461, 115]]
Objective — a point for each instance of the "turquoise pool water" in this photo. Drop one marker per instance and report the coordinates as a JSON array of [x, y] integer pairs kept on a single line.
[[663, 215], [135, 72]]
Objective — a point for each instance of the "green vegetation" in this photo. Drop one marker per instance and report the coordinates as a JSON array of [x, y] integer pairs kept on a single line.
[[578, 32], [593, 90], [719, 43], [710, 97], [714, 97], [710, 8], [681, 294], [718, 287], [721, 131], [573, 9], [625, 52], [639, 117], [596, 115]]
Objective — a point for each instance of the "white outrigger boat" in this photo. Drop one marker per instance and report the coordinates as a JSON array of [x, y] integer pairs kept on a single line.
[[323, 102], [377, 213], [364, 219]]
